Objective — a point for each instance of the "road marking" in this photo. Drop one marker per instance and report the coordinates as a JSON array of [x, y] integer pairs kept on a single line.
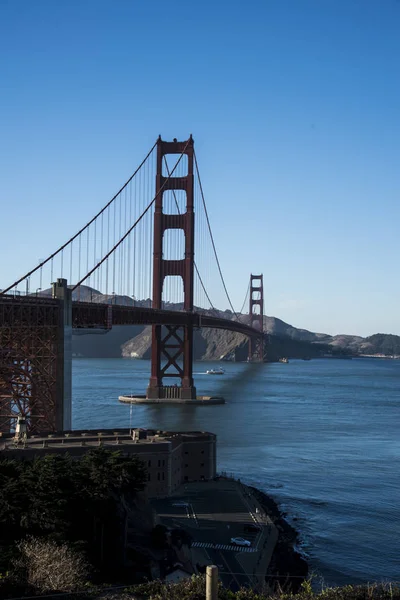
[[194, 515], [239, 517], [223, 547], [230, 572]]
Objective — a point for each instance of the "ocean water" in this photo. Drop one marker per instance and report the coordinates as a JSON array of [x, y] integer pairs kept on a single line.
[[320, 436]]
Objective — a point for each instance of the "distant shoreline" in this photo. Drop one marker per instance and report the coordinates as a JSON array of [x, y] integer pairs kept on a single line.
[[381, 356]]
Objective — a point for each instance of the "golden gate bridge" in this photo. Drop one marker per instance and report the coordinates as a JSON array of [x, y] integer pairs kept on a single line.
[[140, 245]]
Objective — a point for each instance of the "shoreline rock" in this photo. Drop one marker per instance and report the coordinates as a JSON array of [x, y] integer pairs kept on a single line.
[[288, 568]]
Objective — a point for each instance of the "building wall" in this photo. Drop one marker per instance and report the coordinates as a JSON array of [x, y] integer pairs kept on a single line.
[[170, 459], [157, 471], [197, 460], [176, 471]]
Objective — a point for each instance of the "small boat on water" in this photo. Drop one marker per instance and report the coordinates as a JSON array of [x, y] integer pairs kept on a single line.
[[284, 360], [215, 372]]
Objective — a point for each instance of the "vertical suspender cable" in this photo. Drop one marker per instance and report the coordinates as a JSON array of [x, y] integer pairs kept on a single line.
[[148, 254], [134, 288], [79, 266], [128, 266], [94, 250], [126, 227], [108, 246], [121, 248], [150, 247], [145, 254], [142, 235], [70, 263], [114, 239], [101, 252], [87, 253], [139, 231]]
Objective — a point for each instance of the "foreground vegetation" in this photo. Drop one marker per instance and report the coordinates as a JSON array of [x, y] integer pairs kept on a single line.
[[195, 589], [60, 515]]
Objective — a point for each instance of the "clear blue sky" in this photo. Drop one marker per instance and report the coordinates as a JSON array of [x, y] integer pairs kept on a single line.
[[295, 110]]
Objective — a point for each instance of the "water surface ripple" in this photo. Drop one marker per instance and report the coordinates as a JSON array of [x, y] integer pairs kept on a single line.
[[320, 436]]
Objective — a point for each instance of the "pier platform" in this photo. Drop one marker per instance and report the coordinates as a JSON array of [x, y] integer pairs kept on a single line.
[[199, 400]]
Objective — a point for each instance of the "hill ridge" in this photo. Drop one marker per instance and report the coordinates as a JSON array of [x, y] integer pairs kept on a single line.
[[209, 344]]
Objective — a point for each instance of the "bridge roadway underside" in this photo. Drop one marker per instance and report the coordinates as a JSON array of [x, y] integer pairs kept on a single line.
[[18, 311], [86, 315], [35, 361]]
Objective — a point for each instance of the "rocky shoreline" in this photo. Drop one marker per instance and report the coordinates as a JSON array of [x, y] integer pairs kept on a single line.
[[288, 568]]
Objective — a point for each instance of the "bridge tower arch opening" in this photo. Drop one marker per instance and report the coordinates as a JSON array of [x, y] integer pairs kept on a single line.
[[256, 317], [172, 345]]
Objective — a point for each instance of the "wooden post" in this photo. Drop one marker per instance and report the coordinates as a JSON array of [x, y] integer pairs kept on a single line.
[[212, 582]]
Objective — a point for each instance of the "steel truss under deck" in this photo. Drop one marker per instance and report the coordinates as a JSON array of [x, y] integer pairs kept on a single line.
[[29, 335]]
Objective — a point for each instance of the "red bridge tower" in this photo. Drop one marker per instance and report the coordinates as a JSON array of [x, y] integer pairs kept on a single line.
[[256, 315], [172, 345]]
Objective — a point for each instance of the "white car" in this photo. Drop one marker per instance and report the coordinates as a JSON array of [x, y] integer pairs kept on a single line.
[[181, 504], [238, 541]]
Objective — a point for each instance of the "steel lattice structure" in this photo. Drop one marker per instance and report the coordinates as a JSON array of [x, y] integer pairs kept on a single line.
[[29, 360]]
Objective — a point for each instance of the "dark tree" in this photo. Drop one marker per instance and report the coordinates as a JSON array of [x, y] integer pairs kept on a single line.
[[81, 502]]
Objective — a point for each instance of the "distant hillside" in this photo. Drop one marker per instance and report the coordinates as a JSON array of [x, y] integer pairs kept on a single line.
[[213, 344], [381, 343]]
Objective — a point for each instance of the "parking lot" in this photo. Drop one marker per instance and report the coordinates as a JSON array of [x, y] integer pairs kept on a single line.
[[214, 512]]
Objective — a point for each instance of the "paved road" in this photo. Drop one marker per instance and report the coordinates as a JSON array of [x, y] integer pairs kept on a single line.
[[216, 512], [229, 570]]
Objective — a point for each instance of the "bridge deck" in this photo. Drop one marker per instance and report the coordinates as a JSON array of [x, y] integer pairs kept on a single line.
[[16, 310], [89, 314]]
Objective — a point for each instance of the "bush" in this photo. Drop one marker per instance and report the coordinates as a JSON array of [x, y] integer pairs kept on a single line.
[[48, 566]]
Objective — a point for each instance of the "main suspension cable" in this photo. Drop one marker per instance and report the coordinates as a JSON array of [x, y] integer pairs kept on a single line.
[[212, 238], [83, 228], [245, 299], [135, 223]]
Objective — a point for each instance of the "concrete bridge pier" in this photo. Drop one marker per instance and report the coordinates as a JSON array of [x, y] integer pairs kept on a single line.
[[61, 292]]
